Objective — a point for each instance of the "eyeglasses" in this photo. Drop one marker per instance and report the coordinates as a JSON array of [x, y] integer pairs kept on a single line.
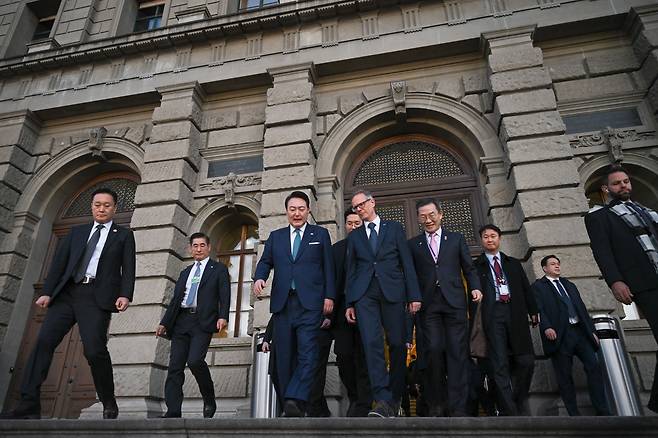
[[360, 205], [432, 216]]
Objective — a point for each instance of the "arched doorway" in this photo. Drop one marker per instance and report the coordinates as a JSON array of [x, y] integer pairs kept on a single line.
[[69, 386], [402, 169]]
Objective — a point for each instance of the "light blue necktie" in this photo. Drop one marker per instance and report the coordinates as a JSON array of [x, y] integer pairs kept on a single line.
[[295, 249], [194, 285]]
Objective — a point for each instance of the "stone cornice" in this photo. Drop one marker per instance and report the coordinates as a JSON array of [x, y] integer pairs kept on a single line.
[[283, 15]]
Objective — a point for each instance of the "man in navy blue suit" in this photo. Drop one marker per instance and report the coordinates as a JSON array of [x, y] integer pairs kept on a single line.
[[567, 331], [440, 257], [302, 291], [381, 281]]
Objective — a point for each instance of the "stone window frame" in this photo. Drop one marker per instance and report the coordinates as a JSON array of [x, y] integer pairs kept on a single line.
[[21, 37], [124, 22]]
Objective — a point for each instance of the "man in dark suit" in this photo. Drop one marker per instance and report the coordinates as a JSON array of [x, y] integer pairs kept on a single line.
[[506, 304], [624, 240], [381, 280], [440, 257], [199, 308], [567, 331], [348, 346], [302, 290], [91, 276]]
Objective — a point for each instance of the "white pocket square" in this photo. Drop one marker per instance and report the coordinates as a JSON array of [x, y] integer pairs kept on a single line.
[[313, 243]]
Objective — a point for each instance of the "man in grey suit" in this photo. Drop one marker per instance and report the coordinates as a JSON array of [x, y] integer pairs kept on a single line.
[[440, 257]]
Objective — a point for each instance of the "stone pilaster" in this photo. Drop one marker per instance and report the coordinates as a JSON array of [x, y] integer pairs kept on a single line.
[[643, 27], [289, 153], [161, 219], [541, 208], [18, 134]]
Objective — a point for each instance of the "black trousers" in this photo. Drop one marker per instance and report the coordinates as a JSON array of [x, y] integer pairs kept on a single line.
[[512, 373], [188, 344], [317, 403], [647, 301], [576, 343], [445, 331], [352, 368], [75, 304]]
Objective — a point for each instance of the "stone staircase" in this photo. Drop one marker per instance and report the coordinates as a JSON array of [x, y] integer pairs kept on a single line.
[[599, 427]]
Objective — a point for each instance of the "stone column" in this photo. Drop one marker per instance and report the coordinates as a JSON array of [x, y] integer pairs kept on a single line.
[[163, 211], [539, 201], [289, 153], [643, 24], [18, 134]]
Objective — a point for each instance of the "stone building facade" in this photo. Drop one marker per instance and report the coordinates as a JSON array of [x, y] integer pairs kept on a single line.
[[213, 110]]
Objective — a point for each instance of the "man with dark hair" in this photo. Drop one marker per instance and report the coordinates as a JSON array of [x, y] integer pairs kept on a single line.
[[624, 240], [381, 281], [441, 257], [199, 307], [507, 302], [348, 346], [91, 276], [567, 331], [302, 290]]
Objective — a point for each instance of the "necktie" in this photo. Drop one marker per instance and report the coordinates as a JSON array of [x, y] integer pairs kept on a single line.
[[566, 299], [372, 239], [89, 251], [434, 246], [295, 249], [500, 279], [194, 286]]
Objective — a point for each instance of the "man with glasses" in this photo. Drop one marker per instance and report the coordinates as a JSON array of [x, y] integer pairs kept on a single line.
[[302, 290], [440, 257], [381, 281]]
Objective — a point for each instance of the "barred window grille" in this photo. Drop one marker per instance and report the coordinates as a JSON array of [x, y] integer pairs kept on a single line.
[[406, 161], [458, 216], [393, 212], [124, 188]]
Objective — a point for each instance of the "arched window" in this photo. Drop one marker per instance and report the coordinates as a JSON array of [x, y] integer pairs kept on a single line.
[[403, 169]]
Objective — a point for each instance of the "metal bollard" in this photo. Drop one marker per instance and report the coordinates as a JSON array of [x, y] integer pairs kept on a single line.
[[620, 382], [263, 396]]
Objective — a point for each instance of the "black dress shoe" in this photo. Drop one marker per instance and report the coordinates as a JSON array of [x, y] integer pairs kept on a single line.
[[171, 415], [23, 412], [110, 410], [209, 408], [292, 409], [383, 409]]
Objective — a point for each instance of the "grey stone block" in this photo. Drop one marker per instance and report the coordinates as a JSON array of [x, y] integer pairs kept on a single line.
[[233, 356], [515, 57], [9, 287], [154, 290], [175, 110], [174, 131], [144, 349], [158, 264], [137, 134], [593, 87], [261, 312], [327, 103], [12, 263], [138, 381], [539, 149], [376, 91], [500, 194], [173, 150], [163, 193], [473, 101], [233, 136], [287, 92], [475, 82], [570, 231], [13, 177], [526, 102], [163, 215], [350, 102], [553, 202], [289, 112], [612, 61], [288, 178], [330, 122], [268, 224], [136, 320], [252, 114], [596, 295], [220, 120], [161, 239], [520, 80], [6, 309], [17, 157], [229, 381], [650, 67], [169, 171], [450, 87], [507, 218], [422, 85], [295, 133], [548, 122], [301, 153], [545, 175], [567, 68]]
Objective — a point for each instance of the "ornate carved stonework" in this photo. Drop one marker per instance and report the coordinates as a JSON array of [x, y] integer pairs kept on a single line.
[[399, 94], [610, 137], [230, 184], [96, 138]]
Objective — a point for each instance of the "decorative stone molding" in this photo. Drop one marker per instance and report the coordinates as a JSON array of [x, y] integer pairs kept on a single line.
[[329, 33], [217, 53], [229, 185], [609, 137], [454, 13], [96, 139], [195, 13], [254, 46], [546, 4], [369, 26], [411, 18], [42, 45], [399, 94]]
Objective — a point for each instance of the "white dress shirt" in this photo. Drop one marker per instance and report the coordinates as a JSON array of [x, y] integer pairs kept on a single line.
[[92, 267], [293, 234], [503, 288], [438, 233], [377, 221], [190, 278]]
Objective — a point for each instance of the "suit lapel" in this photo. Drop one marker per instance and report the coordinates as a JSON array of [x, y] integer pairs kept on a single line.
[[111, 238], [361, 233], [442, 243], [424, 248], [383, 228], [207, 272], [308, 233], [285, 235], [484, 262], [81, 242]]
